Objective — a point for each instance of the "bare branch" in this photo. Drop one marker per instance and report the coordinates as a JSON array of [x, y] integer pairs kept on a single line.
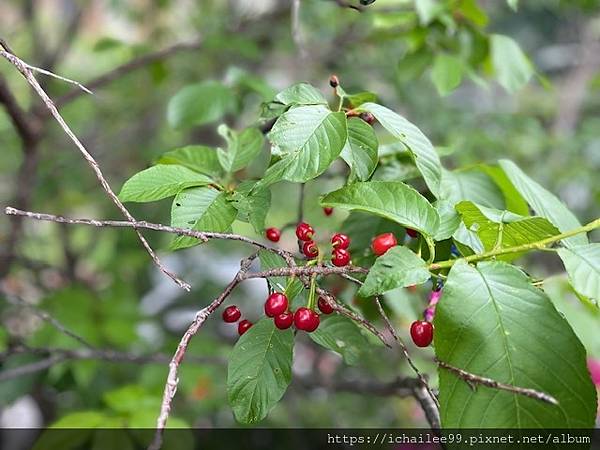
[[128, 67], [61, 355], [473, 379], [47, 318], [172, 377], [27, 73]]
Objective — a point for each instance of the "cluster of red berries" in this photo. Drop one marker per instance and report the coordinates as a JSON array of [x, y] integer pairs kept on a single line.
[[340, 256], [232, 314], [277, 307]]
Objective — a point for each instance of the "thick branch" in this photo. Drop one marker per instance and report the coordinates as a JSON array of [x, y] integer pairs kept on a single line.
[[27, 73]]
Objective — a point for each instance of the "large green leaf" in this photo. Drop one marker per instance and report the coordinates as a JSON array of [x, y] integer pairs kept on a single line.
[[501, 229], [199, 104], [512, 68], [544, 203], [514, 200], [260, 370], [160, 181], [311, 138], [301, 94], [203, 209], [393, 200], [252, 204], [196, 157], [583, 266], [449, 220], [446, 73], [398, 267], [341, 335], [360, 151], [242, 148], [426, 158], [473, 185], [492, 322]]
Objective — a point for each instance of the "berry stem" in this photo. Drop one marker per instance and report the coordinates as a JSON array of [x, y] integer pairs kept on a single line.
[[311, 293], [539, 245]]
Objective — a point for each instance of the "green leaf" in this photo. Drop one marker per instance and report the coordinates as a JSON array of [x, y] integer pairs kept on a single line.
[[427, 10], [260, 370], [161, 181], [501, 229], [202, 209], [360, 151], [583, 266], [493, 323], [198, 104], [343, 336], [252, 204], [291, 286], [473, 185], [446, 73], [513, 199], [195, 157], [512, 68], [242, 148], [544, 203], [468, 238], [355, 100], [311, 137], [449, 220], [426, 158], [395, 201], [398, 267], [301, 94]]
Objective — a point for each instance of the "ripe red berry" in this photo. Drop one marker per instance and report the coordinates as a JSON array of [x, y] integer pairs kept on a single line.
[[273, 234], [310, 249], [328, 210], [421, 333], [334, 81], [231, 314], [304, 231], [244, 326], [306, 319], [284, 320], [367, 117], [412, 233], [340, 240], [277, 303], [324, 307], [340, 257], [383, 243]]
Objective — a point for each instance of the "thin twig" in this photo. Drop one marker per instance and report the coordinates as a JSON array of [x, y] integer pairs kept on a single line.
[[172, 377], [47, 318], [27, 73], [471, 378], [128, 67]]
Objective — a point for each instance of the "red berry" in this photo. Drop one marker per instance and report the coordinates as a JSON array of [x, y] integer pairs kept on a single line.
[[340, 240], [310, 249], [328, 210], [421, 333], [273, 234], [368, 117], [340, 257], [231, 314], [334, 81], [244, 326], [383, 243], [284, 320], [324, 307], [412, 233], [306, 319], [304, 231], [277, 303]]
